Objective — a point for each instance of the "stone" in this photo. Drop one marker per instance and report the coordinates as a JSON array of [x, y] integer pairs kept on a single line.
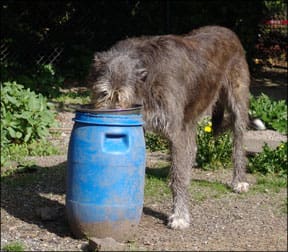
[[105, 244]]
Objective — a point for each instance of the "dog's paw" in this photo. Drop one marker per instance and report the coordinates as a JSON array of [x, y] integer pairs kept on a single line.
[[240, 187], [177, 222]]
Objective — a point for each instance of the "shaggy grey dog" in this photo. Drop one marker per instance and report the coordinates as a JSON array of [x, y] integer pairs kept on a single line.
[[176, 79]]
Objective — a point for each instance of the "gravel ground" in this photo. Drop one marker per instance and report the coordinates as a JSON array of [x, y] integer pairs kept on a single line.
[[35, 214]]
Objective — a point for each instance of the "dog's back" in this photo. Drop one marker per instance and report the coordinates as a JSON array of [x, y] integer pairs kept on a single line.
[[215, 40]]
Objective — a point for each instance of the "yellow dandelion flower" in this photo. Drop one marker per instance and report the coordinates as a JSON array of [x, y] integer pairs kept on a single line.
[[208, 129]]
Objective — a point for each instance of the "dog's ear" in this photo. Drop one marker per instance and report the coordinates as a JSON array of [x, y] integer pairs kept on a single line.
[[98, 61], [142, 74], [97, 68]]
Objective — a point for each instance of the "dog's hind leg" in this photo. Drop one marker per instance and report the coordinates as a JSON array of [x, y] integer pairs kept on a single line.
[[183, 148], [238, 105]]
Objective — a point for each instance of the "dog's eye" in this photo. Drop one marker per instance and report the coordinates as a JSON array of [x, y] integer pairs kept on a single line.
[[102, 94]]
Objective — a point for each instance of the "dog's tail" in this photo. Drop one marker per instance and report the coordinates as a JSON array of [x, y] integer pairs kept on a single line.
[[221, 121]]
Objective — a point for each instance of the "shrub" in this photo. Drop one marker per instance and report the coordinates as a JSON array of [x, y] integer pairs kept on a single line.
[[273, 113], [155, 142], [212, 152], [270, 161], [25, 116]]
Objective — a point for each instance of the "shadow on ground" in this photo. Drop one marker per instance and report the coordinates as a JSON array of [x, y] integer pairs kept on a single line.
[[23, 194], [33, 188], [272, 82], [159, 173]]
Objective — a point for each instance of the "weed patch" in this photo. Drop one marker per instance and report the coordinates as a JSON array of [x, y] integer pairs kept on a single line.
[[212, 153], [270, 161], [283, 207], [18, 152], [156, 183], [155, 142], [273, 113], [267, 184], [202, 190], [14, 246]]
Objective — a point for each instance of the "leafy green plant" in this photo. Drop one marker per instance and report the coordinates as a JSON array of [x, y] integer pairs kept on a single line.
[[25, 116], [270, 161], [18, 152], [154, 142], [212, 153], [273, 113], [13, 246]]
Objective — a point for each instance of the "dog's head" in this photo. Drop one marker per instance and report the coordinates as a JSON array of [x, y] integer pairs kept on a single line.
[[114, 79]]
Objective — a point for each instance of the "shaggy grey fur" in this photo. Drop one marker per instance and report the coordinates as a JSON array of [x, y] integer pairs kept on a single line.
[[176, 79]]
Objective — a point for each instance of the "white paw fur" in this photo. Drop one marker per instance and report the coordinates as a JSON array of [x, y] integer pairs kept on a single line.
[[177, 222], [241, 187]]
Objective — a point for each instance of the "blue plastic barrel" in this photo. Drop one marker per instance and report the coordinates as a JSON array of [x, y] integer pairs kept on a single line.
[[105, 174]]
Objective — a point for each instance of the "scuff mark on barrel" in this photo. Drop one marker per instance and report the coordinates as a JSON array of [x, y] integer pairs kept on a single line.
[[123, 230]]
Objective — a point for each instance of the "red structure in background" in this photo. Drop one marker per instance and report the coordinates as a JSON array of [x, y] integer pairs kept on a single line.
[[271, 48], [276, 22]]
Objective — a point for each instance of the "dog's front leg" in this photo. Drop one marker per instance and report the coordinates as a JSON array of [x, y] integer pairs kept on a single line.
[[183, 150]]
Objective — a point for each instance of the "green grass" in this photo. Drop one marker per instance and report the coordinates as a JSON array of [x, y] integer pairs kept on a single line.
[[283, 208], [269, 183], [202, 190], [15, 154], [157, 189], [24, 167], [14, 246], [156, 182]]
